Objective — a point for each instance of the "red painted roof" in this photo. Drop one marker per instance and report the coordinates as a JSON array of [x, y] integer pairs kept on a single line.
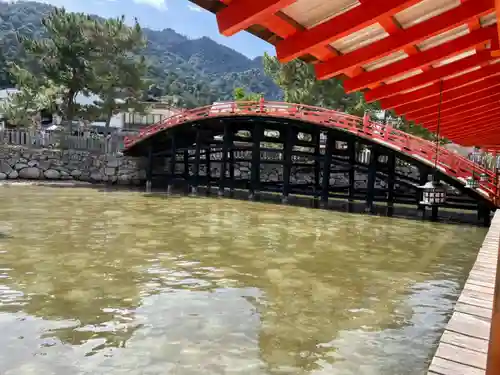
[[399, 52]]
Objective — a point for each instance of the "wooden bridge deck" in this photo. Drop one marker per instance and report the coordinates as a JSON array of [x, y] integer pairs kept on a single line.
[[463, 348]]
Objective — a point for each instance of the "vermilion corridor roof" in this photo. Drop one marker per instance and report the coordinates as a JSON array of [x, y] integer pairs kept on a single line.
[[403, 53]]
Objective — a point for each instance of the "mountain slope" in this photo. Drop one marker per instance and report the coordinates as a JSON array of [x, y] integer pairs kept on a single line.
[[189, 72]]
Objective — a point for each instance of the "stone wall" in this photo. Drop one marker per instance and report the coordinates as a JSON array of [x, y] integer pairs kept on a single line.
[[17, 162], [45, 164]]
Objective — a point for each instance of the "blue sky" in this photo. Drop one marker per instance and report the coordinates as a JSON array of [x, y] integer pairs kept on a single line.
[[179, 15]]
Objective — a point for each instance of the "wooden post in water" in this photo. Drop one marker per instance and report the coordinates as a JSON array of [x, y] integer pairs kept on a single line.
[[196, 172], [317, 166], [223, 162], [372, 174], [149, 169], [208, 168], [352, 173], [391, 177], [257, 133], [231, 165], [186, 173], [287, 162], [327, 164], [173, 159]]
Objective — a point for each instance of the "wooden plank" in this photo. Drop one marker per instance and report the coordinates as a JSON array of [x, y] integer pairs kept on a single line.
[[469, 325], [464, 298], [466, 342], [461, 355], [482, 296], [480, 283], [480, 312], [479, 289], [443, 366]]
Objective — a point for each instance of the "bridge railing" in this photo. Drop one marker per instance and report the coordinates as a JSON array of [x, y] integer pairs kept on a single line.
[[448, 162]]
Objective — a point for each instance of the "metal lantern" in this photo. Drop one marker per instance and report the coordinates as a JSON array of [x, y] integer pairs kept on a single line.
[[483, 177], [471, 183], [434, 194]]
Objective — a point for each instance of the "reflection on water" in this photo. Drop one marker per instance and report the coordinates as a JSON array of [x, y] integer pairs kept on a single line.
[[119, 283]]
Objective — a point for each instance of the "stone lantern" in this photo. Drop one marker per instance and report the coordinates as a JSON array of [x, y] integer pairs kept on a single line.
[[434, 194]]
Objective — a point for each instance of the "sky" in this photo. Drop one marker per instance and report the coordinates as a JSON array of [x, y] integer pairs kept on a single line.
[[179, 15]]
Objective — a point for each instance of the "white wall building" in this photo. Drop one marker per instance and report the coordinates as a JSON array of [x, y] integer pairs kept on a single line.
[[126, 120]]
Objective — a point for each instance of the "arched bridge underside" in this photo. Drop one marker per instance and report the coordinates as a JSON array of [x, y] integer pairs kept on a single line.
[[268, 149]]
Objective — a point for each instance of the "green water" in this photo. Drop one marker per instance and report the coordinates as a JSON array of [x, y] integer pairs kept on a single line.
[[121, 283]]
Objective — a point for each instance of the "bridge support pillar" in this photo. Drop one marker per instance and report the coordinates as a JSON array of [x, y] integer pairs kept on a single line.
[[327, 163], [484, 214], [391, 171], [434, 213], [173, 161], [372, 174], [352, 174], [257, 134], [196, 172], [208, 169], [287, 162], [226, 146], [149, 168], [317, 167], [231, 170], [186, 174]]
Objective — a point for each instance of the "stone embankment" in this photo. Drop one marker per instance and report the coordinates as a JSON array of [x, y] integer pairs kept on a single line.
[[45, 164]]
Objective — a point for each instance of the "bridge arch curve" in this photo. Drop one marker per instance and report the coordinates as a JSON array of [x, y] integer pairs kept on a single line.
[[304, 150]]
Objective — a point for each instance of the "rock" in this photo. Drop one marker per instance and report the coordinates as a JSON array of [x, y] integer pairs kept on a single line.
[[96, 176], [76, 173], [33, 163], [44, 165], [124, 180], [52, 174], [20, 166], [13, 175], [3, 176], [109, 171], [32, 173], [5, 167]]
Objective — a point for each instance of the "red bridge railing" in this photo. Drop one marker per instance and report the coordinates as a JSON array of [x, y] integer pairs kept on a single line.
[[450, 163]]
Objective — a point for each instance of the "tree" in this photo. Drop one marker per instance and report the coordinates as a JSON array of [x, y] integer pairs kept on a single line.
[[240, 95], [119, 72], [84, 55], [299, 84], [64, 58]]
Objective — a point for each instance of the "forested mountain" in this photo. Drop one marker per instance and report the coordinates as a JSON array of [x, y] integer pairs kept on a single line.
[[188, 72]]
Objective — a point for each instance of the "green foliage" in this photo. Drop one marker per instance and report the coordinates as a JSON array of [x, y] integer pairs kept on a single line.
[[80, 55], [299, 84], [118, 73], [240, 95]]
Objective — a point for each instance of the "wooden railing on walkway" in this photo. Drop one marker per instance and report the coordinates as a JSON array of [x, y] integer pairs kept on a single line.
[[470, 344], [60, 140]]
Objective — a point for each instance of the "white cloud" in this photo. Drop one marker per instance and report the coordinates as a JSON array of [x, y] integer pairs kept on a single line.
[[159, 4], [194, 8]]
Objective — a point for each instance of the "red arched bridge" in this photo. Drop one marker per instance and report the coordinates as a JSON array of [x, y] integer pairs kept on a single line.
[[297, 150]]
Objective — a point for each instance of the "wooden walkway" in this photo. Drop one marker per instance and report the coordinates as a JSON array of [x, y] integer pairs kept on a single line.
[[463, 348]]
